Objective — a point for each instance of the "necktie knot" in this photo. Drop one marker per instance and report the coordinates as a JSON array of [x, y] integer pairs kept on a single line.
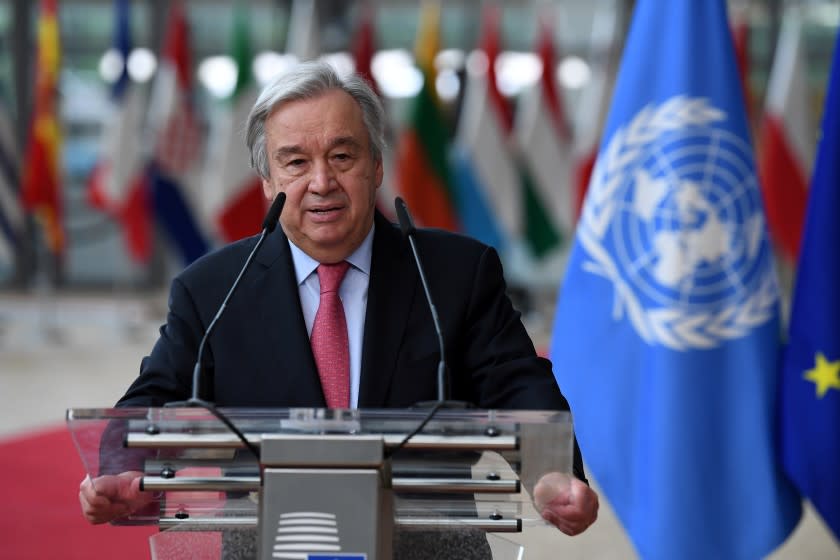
[[331, 275]]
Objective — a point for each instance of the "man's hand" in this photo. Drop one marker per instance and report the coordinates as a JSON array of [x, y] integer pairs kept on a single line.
[[566, 502], [111, 496]]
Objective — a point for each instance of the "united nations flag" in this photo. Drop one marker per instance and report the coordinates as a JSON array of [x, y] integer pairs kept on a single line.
[[666, 336]]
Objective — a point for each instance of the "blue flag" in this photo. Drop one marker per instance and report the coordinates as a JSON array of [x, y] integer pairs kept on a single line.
[[810, 387], [666, 336]]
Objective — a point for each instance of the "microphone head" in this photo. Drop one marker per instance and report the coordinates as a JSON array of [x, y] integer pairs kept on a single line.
[[273, 215], [406, 223]]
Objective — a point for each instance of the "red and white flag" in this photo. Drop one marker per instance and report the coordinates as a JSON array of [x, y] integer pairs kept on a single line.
[[234, 197], [118, 184], [787, 140]]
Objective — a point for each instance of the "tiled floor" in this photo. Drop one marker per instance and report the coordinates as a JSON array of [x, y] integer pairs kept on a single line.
[[83, 352]]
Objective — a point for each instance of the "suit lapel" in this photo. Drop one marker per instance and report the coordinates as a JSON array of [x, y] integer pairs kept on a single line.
[[281, 324], [390, 294]]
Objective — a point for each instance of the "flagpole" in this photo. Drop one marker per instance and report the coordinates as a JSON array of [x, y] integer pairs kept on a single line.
[[22, 38]]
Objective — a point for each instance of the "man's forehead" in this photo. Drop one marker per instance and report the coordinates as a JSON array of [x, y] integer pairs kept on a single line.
[[289, 145], [327, 102]]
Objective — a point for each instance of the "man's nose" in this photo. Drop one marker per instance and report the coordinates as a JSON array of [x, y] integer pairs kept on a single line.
[[323, 177]]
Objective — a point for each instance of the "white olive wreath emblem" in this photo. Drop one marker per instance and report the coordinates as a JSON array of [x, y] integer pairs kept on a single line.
[[679, 327]]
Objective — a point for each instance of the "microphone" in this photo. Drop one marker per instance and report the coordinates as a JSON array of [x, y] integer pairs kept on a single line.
[[268, 226], [409, 231], [273, 215]]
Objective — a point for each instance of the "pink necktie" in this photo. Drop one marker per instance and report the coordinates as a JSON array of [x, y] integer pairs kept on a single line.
[[329, 337]]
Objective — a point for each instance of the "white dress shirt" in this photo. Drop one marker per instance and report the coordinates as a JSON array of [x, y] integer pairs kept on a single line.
[[353, 294]]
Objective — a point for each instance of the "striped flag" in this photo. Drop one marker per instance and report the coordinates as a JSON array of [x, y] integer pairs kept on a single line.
[[544, 142], [304, 34], [41, 187], [118, 184], [787, 140], [234, 197], [179, 143], [11, 215], [423, 175], [489, 194]]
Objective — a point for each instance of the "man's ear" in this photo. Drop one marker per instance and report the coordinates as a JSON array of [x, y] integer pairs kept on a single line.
[[380, 173], [268, 190]]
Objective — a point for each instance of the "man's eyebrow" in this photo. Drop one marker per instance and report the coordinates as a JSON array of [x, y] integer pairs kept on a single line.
[[293, 149], [287, 150], [344, 141]]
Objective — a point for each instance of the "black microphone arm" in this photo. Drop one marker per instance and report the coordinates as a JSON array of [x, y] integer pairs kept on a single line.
[[408, 230], [268, 226]]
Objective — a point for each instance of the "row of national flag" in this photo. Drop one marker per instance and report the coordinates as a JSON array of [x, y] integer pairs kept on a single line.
[[510, 173], [703, 421]]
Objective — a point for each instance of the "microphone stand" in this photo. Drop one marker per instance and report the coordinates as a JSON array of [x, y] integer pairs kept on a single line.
[[408, 230], [268, 226]]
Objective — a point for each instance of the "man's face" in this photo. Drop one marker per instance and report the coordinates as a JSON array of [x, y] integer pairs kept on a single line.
[[319, 155]]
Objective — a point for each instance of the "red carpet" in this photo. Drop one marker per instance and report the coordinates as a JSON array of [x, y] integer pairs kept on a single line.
[[40, 517]]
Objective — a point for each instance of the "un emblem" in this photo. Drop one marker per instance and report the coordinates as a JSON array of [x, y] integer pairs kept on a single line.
[[673, 219]]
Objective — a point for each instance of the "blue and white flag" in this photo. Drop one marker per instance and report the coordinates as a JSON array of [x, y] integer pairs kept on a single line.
[[666, 337]]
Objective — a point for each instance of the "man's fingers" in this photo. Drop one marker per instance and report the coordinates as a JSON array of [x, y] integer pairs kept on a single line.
[[108, 497], [100, 509], [574, 510]]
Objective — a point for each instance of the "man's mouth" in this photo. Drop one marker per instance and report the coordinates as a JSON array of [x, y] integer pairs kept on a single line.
[[325, 210]]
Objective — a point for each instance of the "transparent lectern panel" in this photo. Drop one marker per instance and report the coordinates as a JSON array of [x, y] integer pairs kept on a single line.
[[465, 464]]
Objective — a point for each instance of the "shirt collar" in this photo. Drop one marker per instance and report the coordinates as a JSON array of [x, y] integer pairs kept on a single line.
[[306, 265]]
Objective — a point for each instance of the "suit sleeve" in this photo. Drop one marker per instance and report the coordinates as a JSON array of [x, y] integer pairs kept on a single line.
[[504, 370]]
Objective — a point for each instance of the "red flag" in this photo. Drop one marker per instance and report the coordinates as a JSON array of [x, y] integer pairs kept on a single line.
[[787, 142], [364, 47], [491, 45], [41, 188], [741, 39]]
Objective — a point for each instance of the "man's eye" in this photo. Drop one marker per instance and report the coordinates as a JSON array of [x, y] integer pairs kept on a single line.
[[341, 156], [295, 162]]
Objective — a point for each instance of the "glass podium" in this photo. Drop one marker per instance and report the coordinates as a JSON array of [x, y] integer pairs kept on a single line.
[[319, 484]]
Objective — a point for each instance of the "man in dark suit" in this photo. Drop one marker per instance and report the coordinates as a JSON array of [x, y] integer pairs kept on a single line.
[[319, 139]]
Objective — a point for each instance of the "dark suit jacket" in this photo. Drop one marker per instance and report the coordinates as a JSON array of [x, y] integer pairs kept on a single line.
[[259, 353]]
